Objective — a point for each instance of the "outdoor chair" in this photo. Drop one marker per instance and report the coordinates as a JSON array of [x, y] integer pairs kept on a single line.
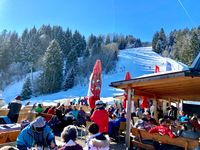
[[122, 129], [84, 129]]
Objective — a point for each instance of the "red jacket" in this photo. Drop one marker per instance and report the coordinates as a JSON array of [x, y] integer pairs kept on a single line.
[[163, 130], [100, 117], [51, 111], [195, 124]]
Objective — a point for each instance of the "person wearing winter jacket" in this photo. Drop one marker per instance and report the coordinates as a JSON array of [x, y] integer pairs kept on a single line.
[[39, 108], [100, 117], [188, 131], [38, 133], [162, 129], [52, 110], [14, 109], [96, 140]]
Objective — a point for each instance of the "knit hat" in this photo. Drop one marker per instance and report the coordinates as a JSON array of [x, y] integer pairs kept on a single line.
[[18, 97], [99, 104], [39, 122]]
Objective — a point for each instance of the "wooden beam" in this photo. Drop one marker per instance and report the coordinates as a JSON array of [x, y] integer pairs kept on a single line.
[[128, 119]]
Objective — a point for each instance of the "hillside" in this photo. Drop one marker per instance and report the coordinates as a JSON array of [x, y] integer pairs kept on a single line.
[[138, 61]]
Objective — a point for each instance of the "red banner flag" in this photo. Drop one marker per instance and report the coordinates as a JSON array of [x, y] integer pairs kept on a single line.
[[127, 77], [95, 84], [157, 69], [145, 103]]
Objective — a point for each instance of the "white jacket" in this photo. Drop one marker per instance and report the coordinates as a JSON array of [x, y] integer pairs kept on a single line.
[[95, 144]]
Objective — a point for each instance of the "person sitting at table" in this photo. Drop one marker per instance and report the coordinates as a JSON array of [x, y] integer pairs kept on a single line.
[[52, 110], [195, 123], [110, 113], [46, 109], [152, 122], [187, 131], [116, 125], [39, 108], [162, 129], [143, 124], [138, 112], [120, 119], [81, 116], [183, 117], [69, 109], [38, 134], [75, 112], [57, 122], [172, 113], [116, 113]]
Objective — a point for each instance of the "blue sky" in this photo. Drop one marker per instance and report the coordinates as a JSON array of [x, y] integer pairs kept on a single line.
[[141, 18]]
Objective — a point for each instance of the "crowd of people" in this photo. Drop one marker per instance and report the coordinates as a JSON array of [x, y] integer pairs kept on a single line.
[[106, 120], [174, 124]]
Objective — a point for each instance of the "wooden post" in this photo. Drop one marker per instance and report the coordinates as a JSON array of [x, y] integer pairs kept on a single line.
[[155, 103], [181, 105], [128, 119], [164, 107]]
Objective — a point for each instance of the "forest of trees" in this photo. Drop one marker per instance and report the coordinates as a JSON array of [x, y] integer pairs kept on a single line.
[[64, 58], [182, 45]]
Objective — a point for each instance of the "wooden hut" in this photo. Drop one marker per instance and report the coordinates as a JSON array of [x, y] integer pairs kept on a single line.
[[172, 86]]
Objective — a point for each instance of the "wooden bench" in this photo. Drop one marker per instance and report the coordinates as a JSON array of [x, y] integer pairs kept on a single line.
[[187, 144]]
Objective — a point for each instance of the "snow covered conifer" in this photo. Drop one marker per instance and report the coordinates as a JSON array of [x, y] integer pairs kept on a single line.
[[26, 90], [53, 69]]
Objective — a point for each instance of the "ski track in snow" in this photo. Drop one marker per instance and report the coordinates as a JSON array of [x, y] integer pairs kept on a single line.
[[138, 61]]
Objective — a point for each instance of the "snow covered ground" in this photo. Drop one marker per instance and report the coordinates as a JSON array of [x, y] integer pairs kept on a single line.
[[138, 61]]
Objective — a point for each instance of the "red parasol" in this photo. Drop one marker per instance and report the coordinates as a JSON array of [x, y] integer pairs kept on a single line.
[[145, 103], [95, 84], [127, 77]]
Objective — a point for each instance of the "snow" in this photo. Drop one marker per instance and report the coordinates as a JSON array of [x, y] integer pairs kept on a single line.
[[138, 61]]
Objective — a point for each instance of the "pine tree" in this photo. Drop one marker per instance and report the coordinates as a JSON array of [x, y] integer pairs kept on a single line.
[[26, 90], [79, 43], [194, 45], [66, 45], [53, 69], [91, 41], [115, 38], [138, 43], [130, 39], [155, 40], [86, 53], [69, 81], [108, 41], [122, 43], [159, 41], [182, 48]]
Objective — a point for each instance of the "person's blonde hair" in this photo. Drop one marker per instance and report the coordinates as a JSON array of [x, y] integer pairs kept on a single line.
[[69, 133]]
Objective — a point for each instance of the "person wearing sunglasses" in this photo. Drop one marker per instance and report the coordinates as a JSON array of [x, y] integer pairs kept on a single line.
[[38, 134]]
